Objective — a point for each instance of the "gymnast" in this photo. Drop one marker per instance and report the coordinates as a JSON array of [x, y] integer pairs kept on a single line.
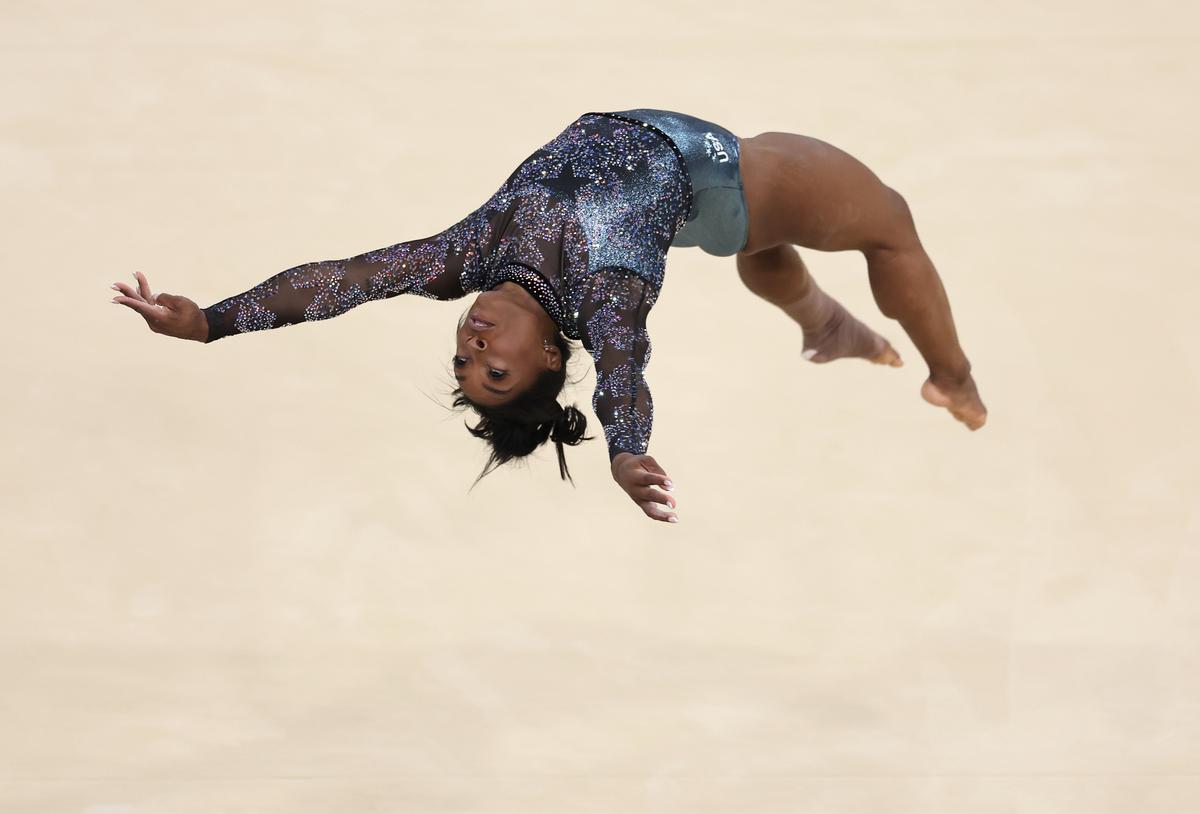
[[572, 248]]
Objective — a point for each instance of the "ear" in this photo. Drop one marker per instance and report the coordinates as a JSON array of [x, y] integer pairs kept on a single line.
[[553, 356]]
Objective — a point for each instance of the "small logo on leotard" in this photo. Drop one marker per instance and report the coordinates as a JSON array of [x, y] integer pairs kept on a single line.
[[714, 148]]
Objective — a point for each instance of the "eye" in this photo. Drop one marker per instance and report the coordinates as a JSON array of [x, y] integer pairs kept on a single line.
[[459, 361]]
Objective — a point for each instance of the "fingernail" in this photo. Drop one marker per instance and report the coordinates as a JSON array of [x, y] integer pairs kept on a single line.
[[668, 484], [672, 519], [810, 353], [114, 287]]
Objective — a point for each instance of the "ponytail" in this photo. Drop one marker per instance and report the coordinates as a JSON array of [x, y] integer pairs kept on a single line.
[[516, 428]]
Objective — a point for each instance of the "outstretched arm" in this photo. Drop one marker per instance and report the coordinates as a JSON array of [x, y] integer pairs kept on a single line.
[[613, 315], [443, 267]]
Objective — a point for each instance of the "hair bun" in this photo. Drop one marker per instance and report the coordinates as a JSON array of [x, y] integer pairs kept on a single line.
[[569, 426]]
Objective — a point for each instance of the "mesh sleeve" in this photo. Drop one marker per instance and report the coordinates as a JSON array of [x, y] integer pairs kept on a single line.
[[444, 266], [613, 313]]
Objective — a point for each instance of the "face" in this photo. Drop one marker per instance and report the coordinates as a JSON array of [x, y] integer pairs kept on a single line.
[[502, 355]]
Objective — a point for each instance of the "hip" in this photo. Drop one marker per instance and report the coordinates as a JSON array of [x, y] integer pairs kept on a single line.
[[717, 219]]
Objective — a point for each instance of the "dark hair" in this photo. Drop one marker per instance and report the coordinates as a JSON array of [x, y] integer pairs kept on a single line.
[[517, 427]]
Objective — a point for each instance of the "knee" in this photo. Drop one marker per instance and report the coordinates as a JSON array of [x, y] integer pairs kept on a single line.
[[897, 201], [755, 266], [901, 215], [778, 274], [751, 266], [897, 230]]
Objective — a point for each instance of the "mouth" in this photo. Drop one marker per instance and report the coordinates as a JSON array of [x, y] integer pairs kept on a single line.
[[478, 324]]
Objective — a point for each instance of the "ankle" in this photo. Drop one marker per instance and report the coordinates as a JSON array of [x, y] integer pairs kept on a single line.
[[952, 377], [812, 309]]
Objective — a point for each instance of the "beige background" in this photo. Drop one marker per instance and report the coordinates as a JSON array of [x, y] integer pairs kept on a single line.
[[248, 577]]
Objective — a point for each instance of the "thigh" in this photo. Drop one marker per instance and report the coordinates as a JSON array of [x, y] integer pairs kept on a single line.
[[803, 191]]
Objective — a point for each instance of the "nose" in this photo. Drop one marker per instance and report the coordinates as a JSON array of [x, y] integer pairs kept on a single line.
[[478, 342]]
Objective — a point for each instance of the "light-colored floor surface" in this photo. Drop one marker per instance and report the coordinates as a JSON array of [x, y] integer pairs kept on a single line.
[[248, 576]]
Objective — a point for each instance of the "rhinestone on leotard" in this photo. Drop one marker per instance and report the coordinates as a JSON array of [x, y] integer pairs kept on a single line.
[[584, 225]]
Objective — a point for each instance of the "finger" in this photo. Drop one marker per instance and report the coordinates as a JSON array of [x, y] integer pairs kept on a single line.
[[152, 313], [648, 463], [169, 301], [127, 290], [643, 477], [654, 511], [650, 494], [143, 286]]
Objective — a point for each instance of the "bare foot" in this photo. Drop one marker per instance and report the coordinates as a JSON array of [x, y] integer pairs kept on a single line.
[[961, 398], [843, 336]]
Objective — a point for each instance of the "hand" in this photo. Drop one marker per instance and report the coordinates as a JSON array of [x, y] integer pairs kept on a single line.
[[168, 314], [638, 475]]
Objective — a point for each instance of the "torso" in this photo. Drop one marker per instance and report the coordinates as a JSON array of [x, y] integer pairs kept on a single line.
[[603, 196]]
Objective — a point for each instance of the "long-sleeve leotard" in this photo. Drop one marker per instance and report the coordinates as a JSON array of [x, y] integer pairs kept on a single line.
[[442, 267], [583, 224], [613, 317]]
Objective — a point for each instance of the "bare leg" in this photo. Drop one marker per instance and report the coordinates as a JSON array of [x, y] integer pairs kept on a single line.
[[805, 192], [779, 276], [907, 288]]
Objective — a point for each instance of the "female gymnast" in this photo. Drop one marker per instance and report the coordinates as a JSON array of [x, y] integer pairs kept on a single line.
[[573, 247]]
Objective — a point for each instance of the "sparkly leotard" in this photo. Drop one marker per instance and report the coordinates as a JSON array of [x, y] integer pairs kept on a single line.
[[583, 224]]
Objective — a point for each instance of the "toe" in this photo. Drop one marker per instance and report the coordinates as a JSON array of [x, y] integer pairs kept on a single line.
[[888, 356]]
